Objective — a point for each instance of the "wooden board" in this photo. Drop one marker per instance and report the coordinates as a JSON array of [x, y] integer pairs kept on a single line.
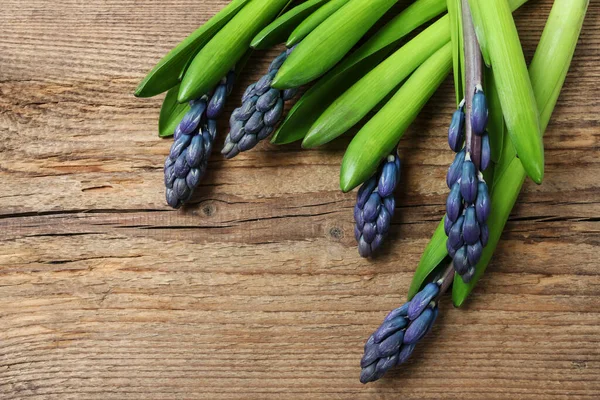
[[256, 290]]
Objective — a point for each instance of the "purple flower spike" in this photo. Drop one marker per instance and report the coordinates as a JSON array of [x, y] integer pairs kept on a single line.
[[375, 206], [422, 300], [471, 230], [468, 182], [479, 113], [456, 132]]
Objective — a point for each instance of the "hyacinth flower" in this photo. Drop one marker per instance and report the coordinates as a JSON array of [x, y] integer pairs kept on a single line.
[[375, 206], [260, 112], [396, 338], [193, 140], [468, 205]]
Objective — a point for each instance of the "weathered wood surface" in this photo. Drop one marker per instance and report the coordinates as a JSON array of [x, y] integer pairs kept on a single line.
[[256, 291]]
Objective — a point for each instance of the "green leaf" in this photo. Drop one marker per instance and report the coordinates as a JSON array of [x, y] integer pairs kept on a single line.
[[434, 254], [354, 104], [456, 37], [314, 20], [514, 86], [548, 71], [428, 263], [167, 72], [325, 46], [306, 111], [171, 113], [278, 31], [224, 50], [381, 134]]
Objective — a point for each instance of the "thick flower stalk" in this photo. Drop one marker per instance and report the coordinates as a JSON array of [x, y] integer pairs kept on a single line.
[[468, 206], [395, 340], [375, 206], [188, 159], [261, 111]]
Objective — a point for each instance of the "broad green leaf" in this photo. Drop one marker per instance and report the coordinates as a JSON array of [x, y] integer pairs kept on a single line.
[[325, 46], [224, 50], [278, 31], [381, 134], [167, 72], [314, 20], [354, 104], [513, 83], [306, 111], [548, 71]]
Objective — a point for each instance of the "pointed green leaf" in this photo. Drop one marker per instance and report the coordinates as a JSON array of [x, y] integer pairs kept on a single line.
[[166, 73], [224, 50], [306, 111], [171, 113], [314, 20], [355, 103], [325, 46], [381, 134], [278, 31], [456, 37], [513, 83], [548, 71], [430, 263]]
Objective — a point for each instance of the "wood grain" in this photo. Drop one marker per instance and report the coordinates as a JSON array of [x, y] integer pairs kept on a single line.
[[256, 290]]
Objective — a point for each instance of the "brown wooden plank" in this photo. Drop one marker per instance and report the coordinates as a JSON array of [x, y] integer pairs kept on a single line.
[[256, 290]]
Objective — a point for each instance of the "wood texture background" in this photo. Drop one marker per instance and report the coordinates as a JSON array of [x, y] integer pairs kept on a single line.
[[256, 290]]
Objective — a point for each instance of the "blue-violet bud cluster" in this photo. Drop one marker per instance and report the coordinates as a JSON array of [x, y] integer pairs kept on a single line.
[[395, 340], [375, 206], [261, 111], [468, 205], [193, 140]]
